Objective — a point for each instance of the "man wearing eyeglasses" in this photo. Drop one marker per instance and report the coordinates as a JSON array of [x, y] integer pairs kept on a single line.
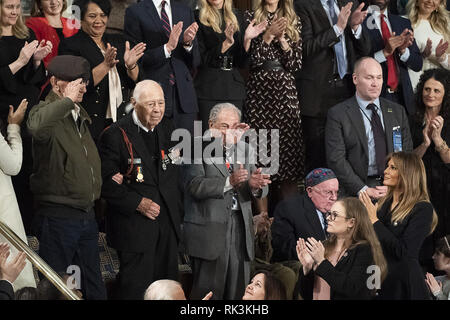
[[303, 216], [66, 177]]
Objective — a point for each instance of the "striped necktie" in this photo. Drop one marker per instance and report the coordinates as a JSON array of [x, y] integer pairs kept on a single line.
[[166, 26]]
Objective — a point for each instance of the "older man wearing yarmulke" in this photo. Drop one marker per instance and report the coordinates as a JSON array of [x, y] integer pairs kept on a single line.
[[66, 178], [303, 215]]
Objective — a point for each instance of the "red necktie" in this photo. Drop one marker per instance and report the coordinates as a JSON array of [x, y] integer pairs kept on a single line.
[[392, 80]]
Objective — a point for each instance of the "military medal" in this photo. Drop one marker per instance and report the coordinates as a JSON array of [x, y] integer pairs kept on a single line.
[[139, 175], [164, 160]]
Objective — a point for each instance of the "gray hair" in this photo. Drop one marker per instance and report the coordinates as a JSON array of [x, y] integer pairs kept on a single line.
[[162, 290], [218, 108], [142, 86]]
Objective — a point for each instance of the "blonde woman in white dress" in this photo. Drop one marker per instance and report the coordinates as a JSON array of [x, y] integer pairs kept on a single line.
[[10, 164], [431, 24]]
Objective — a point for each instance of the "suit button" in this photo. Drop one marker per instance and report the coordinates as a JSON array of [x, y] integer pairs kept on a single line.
[[95, 115]]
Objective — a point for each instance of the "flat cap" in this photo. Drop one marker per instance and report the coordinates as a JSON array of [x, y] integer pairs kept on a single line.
[[319, 175], [69, 68]]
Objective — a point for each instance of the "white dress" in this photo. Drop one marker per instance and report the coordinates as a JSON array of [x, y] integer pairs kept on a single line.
[[423, 31], [10, 164]]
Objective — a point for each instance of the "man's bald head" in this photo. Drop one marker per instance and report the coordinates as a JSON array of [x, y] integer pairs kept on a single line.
[[368, 78], [149, 104], [164, 289]]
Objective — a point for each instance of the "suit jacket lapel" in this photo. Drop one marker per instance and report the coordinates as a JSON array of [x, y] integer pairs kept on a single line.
[[387, 117], [221, 166], [355, 116], [153, 13], [313, 219], [320, 13], [139, 147]]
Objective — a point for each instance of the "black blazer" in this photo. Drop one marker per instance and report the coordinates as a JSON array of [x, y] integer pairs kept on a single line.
[[96, 99], [294, 218], [398, 24], [347, 280], [319, 65], [401, 246], [6, 290], [128, 229], [346, 140], [142, 23], [212, 83]]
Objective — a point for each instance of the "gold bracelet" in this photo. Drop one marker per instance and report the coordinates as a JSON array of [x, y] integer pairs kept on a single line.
[[442, 147]]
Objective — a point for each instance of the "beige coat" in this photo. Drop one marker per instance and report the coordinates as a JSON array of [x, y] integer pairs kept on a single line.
[[10, 164]]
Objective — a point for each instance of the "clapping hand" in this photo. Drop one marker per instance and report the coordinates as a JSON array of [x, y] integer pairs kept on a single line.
[[262, 223], [229, 32], [276, 29], [434, 285], [208, 296], [303, 256], [441, 48], [16, 117], [316, 250], [253, 30], [344, 15], [436, 128], [132, 56], [44, 48], [110, 56], [358, 17], [10, 270], [258, 180], [392, 44], [371, 208], [27, 51], [408, 39], [239, 176], [189, 34], [174, 36]]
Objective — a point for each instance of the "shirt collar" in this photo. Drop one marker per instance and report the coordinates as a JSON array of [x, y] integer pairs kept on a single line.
[[157, 4], [363, 103], [377, 12], [138, 123]]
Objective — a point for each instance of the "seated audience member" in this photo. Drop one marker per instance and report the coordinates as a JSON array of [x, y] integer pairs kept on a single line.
[[265, 286], [144, 217], [338, 268], [402, 220], [431, 24], [9, 271], [218, 221], [26, 293], [10, 165], [303, 216], [113, 64], [166, 289], [430, 131], [362, 130], [394, 47], [66, 177], [440, 286]]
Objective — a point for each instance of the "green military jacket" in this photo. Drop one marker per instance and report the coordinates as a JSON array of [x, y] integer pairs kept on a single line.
[[66, 164]]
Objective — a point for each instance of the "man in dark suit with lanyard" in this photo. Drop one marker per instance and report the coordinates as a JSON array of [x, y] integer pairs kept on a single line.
[[140, 186], [362, 130], [169, 29], [333, 40], [394, 47]]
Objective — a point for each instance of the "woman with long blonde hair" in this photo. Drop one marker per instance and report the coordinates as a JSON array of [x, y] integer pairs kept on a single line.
[[223, 38], [272, 98], [431, 23], [340, 267], [402, 221], [22, 74]]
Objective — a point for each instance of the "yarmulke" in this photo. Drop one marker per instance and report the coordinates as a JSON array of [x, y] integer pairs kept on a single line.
[[319, 175]]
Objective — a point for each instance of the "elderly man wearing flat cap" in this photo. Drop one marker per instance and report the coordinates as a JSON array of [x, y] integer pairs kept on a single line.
[[66, 178], [303, 216]]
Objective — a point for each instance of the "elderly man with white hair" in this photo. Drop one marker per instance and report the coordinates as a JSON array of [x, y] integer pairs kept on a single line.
[[218, 221], [140, 186]]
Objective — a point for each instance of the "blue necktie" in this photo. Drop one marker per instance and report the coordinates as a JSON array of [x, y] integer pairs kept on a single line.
[[338, 47]]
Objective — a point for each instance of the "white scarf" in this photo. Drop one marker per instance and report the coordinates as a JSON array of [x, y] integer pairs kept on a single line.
[[115, 92]]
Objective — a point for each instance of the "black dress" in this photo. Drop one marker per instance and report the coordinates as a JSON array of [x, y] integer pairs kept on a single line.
[[212, 83], [96, 99], [401, 243], [438, 177], [25, 84]]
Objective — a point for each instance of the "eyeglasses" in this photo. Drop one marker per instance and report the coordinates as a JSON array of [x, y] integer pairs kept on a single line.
[[333, 215], [327, 193]]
